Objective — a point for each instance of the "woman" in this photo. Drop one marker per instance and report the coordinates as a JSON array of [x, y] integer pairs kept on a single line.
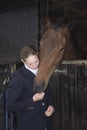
[[32, 108]]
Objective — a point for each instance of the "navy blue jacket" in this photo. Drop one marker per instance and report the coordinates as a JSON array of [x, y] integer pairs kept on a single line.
[[20, 93]]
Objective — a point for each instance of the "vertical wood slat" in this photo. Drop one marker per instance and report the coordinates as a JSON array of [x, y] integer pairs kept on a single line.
[[5, 72], [8, 124]]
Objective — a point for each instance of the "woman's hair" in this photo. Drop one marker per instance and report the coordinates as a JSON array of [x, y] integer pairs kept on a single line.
[[27, 50]]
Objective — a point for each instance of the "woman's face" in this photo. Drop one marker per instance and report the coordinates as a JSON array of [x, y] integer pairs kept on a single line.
[[32, 61]]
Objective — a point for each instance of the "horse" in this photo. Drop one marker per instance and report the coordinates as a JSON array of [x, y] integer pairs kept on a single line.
[[54, 44]]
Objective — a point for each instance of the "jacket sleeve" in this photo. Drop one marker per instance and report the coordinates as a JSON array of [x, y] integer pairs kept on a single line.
[[14, 92]]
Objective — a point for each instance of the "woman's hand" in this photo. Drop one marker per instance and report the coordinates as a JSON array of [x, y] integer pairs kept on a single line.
[[38, 96], [49, 111]]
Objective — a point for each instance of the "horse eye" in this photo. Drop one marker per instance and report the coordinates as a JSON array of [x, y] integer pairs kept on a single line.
[[61, 49]]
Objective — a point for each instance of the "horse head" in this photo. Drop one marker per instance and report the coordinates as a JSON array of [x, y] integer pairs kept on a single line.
[[52, 47]]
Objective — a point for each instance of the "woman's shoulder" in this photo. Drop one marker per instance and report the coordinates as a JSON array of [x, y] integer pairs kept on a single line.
[[18, 72]]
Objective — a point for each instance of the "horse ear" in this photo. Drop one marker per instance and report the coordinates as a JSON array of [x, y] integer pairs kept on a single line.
[[46, 22], [66, 29]]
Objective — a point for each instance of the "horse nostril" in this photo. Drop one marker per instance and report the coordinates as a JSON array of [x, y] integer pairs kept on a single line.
[[39, 87]]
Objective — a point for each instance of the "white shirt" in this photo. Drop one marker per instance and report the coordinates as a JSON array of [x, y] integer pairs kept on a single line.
[[34, 71]]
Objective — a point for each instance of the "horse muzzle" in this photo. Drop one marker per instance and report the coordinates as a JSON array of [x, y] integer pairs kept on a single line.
[[39, 87]]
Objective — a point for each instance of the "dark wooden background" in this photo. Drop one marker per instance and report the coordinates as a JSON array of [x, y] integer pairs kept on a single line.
[[20, 22], [69, 92]]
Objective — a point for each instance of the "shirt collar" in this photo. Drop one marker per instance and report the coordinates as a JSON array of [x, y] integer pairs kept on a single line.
[[34, 71]]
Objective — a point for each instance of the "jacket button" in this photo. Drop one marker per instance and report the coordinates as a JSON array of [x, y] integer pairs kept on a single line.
[[43, 104], [30, 108]]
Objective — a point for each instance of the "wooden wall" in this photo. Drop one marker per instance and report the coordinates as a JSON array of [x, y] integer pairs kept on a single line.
[[69, 92]]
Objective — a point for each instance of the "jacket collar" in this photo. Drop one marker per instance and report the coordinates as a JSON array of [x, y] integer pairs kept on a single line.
[[34, 71]]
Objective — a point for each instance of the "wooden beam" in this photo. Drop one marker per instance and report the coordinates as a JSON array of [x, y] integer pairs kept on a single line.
[[63, 3]]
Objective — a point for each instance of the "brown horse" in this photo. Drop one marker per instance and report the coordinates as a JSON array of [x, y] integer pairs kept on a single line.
[[52, 49]]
